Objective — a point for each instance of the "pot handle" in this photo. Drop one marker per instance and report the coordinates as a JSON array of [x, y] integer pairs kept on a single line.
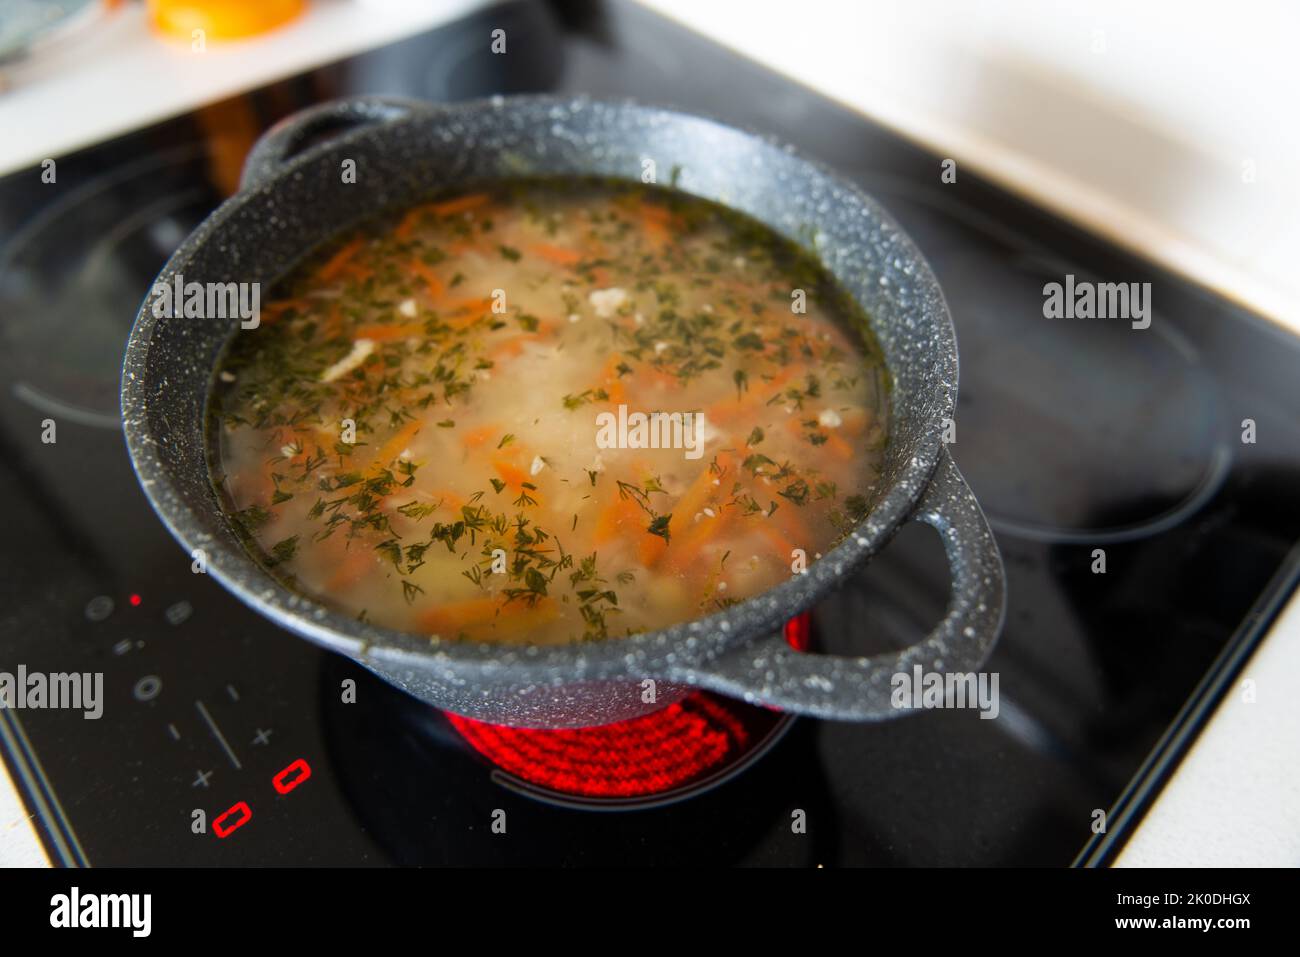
[[292, 134], [768, 671]]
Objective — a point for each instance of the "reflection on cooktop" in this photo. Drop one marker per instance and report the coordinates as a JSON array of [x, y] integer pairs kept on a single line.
[[1063, 421], [72, 278]]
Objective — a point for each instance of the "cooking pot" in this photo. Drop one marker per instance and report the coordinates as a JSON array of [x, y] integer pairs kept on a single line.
[[297, 192]]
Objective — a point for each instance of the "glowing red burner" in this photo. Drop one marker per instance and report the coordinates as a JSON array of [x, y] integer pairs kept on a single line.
[[644, 756]]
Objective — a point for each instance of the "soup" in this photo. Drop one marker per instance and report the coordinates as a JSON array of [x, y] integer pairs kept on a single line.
[[549, 411]]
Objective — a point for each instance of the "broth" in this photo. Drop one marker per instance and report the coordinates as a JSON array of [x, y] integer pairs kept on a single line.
[[549, 411]]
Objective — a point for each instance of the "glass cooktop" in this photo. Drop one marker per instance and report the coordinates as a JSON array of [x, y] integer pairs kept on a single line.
[[1075, 436]]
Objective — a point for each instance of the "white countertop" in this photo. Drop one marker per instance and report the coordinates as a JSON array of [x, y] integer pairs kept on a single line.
[[1137, 120], [121, 75], [19, 845], [1235, 799]]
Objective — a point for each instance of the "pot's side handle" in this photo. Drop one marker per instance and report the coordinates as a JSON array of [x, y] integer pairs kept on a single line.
[[770, 672], [292, 134]]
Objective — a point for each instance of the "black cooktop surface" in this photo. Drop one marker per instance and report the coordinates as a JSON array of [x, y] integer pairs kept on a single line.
[[1076, 435]]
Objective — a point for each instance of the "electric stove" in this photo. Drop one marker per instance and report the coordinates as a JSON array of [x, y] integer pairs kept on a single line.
[[1076, 436]]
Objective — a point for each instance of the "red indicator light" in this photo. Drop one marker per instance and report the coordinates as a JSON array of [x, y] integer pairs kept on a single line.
[[292, 776], [224, 827], [135, 601]]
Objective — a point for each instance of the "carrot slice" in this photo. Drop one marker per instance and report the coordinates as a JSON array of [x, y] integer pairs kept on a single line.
[[336, 263], [611, 382], [518, 618], [445, 208], [656, 376], [617, 394], [480, 436], [758, 395], [456, 614], [400, 439], [516, 478], [273, 310], [460, 204], [624, 518], [350, 567], [838, 447], [834, 444], [650, 548], [514, 345], [450, 500], [407, 225], [466, 312], [474, 304], [334, 324], [431, 281], [510, 473], [656, 221], [697, 495], [692, 537], [783, 547], [358, 272], [388, 332], [618, 518], [655, 213], [688, 534], [557, 254], [657, 233]]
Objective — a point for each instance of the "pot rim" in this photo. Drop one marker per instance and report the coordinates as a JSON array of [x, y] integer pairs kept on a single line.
[[648, 654]]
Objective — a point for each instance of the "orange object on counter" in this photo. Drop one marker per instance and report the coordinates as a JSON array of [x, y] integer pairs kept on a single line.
[[222, 19]]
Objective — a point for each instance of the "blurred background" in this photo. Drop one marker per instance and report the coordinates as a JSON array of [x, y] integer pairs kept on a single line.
[[1167, 127]]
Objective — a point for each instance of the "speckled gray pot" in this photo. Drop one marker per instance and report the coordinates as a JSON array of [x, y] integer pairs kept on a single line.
[[293, 197]]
